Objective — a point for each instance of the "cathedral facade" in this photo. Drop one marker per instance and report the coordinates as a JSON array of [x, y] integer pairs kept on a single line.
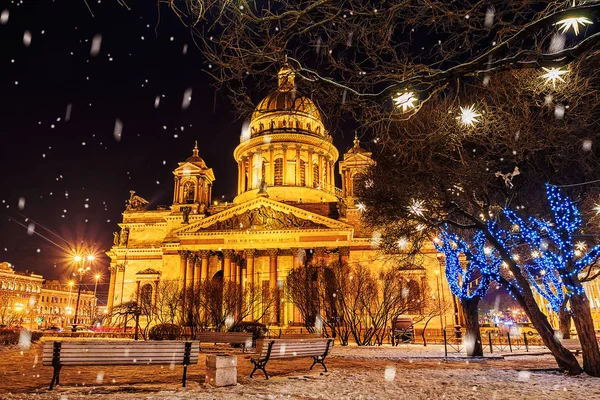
[[287, 208]]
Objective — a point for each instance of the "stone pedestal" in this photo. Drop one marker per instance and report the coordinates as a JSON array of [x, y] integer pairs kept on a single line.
[[221, 369]]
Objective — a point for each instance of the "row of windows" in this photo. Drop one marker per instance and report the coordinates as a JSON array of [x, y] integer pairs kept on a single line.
[[278, 173], [22, 287]]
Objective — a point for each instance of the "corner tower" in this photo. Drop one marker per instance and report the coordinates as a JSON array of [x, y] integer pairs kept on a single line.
[[193, 184], [286, 154]]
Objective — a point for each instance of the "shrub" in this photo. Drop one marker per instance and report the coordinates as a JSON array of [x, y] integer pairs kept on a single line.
[[11, 336], [165, 332], [257, 329]]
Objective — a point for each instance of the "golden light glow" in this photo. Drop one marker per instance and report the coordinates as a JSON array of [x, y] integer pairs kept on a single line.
[[581, 246], [402, 243], [71, 283], [361, 207], [97, 277], [553, 75], [574, 23], [468, 115], [405, 100], [77, 258], [417, 207]]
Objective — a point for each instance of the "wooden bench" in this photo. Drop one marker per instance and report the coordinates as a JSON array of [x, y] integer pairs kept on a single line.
[[112, 352], [300, 336], [271, 349], [243, 338]]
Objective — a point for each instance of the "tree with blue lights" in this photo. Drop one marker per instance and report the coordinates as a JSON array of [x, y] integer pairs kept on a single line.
[[556, 265], [470, 268]]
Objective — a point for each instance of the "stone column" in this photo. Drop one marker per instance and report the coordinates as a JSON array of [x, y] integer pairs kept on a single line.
[[209, 198], [182, 268], [204, 254], [111, 287], [121, 269], [197, 271], [309, 176], [320, 164], [271, 166], [319, 255], [227, 265], [285, 165], [297, 262], [273, 285], [250, 267], [250, 171], [176, 190], [234, 268], [344, 254], [239, 190], [298, 165]]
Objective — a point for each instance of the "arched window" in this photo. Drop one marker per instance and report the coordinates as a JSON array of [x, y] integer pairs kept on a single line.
[[316, 175], [146, 299], [189, 192], [278, 166]]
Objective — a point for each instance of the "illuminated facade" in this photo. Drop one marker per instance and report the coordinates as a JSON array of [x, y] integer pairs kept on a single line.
[[19, 293], [56, 305], [287, 208]]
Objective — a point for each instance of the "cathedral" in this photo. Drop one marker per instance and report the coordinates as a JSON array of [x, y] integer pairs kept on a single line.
[[287, 208]]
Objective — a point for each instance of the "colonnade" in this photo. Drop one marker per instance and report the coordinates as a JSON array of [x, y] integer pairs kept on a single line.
[[307, 162]]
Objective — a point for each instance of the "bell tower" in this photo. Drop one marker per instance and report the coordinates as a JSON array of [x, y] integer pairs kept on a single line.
[[355, 162], [193, 184]]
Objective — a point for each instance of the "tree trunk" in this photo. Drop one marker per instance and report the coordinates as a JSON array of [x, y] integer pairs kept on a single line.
[[523, 293], [582, 316], [564, 358], [473, 334], [564, 320]]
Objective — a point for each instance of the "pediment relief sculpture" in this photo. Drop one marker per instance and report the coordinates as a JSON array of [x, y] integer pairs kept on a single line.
[[264, 218]]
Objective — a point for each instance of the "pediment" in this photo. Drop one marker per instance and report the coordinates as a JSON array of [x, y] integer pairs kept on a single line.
[[148, 271], [262, 214]]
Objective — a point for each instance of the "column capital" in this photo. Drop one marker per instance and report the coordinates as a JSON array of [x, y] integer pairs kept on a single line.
[[183, 253], [112, 269], [272, 252], [204, 253], [284, 147], [298, 147], [121, 267], [250, 252], [227, 253], [344, 250], [320, 251]]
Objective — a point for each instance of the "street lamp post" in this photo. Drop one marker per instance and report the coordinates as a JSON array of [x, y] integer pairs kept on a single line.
[[82, 272], [97, 278]]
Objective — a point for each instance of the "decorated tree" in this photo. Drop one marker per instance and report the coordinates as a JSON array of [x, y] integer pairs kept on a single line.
[[553, 249], [470, 268]]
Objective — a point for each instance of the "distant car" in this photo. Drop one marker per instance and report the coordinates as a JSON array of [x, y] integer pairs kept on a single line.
[[53, 329], [518, 328]]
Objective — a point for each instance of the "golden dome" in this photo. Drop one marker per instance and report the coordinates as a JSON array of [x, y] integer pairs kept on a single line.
[[286, 110], [195, 159]]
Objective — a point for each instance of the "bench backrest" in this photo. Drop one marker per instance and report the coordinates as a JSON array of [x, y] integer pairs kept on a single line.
[[120, 352], [290, 348], [225, 337], [300, 336]]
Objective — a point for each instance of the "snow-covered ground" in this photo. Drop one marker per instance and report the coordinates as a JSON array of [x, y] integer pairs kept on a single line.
[[403, 372]]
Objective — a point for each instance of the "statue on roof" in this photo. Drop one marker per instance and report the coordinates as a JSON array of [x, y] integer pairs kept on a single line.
[[136, 203]]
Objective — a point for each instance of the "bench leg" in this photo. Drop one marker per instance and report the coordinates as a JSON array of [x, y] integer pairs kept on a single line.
[[318, 360], [261, 366], [55, 377], [184, 377]]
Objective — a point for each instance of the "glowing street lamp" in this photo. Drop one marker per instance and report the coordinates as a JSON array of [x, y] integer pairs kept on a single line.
[[96, 278], [82, 271]]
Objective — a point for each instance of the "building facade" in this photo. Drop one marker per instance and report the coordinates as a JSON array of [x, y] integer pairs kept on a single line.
[[19, 294], [57, 302], [287, 208]]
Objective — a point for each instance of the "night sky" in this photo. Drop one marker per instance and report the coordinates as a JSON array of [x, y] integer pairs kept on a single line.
[[64, 173]]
